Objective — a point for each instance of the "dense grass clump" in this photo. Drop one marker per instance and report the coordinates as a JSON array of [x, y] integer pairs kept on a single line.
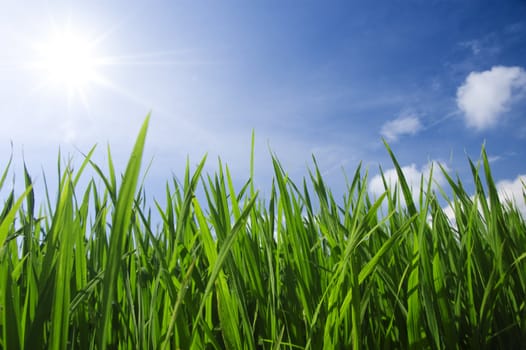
[[299, 270]]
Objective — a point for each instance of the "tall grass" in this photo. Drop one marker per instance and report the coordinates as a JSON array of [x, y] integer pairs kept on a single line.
[[299, 270]]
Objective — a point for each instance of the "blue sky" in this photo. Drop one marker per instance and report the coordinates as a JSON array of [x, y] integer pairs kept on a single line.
[[437, 79]]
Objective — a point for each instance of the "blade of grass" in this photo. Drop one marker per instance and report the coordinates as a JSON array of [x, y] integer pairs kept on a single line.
[[122, 218]]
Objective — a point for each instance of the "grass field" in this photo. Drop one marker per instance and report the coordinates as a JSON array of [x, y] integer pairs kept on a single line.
[[298, 270]]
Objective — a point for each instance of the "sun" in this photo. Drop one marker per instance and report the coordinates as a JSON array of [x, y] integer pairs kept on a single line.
[[68, 61]]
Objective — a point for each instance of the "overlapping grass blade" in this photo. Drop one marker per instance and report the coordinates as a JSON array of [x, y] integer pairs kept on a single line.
[[300, 269], [121, 223]]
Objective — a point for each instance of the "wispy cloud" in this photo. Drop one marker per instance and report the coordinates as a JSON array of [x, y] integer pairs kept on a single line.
[[403, 125], [488, 45], [485, 96], [473, 45], [493, 159]]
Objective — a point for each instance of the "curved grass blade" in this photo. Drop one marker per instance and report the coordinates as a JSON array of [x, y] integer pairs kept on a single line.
[[121, 223]]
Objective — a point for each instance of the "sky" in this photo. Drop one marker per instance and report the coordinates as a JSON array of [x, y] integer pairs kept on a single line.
[[435, 79]]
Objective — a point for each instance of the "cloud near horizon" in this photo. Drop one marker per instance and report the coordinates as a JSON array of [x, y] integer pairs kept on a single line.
[[513, 190], [485, 96], [413, 176], [403, 125], [509, 191]]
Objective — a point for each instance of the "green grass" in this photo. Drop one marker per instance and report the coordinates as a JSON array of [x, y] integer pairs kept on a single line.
[[298, 270]]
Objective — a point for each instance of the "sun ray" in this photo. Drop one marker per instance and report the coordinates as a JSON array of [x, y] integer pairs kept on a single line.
[[70, 62], [155, 58], [67, 61]]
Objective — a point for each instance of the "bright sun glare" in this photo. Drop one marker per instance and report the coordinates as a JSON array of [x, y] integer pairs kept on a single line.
[[69, 63]]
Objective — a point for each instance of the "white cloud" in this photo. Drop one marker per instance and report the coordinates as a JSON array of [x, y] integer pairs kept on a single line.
[[485, 96], [412, 175], [404, 124], [513, 190], [508, 190], [450, 214]]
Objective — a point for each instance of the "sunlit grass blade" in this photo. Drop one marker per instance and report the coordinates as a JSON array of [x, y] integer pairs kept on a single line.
[[216, 266], [121, 223]]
